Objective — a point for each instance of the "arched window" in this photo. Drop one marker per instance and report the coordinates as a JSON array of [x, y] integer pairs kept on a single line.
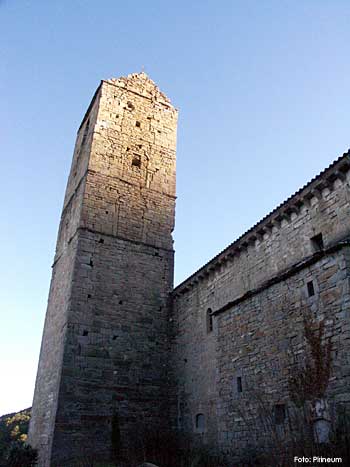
[[200, 423], [209, 320]]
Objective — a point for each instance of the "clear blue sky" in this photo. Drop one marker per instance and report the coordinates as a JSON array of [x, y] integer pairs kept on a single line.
[[263, 93]]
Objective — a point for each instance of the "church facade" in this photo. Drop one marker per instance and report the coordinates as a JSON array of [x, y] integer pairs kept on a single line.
[[120, 343]]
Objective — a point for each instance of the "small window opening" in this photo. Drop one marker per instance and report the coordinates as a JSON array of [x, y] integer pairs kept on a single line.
[[200, 422], [317, 242], [210, 326], [101, 240], [239, 384], [85, 333], [114, 338], [280, 413], [138, 124], [91, 263], [89, 295], [120, 302], [136, 161], [310, 288]]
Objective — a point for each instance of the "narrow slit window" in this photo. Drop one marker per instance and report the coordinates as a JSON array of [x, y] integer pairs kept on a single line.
[[210, 324], [317, 242], [280, 413], [310, 289], [200, 422], [239, 384]]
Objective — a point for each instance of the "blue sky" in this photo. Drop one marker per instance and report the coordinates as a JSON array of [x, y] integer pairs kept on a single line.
[[262, 88]]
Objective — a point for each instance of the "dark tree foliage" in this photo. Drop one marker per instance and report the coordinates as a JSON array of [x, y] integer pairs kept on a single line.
[[14, 452], [21, 455]]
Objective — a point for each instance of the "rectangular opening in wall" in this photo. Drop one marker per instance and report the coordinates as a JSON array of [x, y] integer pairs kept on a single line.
[[136, 161], [310, 289], [280, 413], [209, 321], [200, 423], [317, 242], [239, 384]]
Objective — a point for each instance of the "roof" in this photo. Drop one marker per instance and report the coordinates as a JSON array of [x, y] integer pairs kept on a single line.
[[313, 188]]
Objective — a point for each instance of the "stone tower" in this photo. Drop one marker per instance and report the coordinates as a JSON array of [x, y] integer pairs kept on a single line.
[[103, 359]]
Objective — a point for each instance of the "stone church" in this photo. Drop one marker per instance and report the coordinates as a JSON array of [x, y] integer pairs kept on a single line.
[[120, 341]]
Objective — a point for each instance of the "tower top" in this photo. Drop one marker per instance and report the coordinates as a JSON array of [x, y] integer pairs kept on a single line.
[[141, 84]]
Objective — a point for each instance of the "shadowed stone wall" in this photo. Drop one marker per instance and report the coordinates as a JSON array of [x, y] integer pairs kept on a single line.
[[257, 290]]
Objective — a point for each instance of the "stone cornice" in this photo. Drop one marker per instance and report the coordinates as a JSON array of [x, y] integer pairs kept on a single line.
[[336, 171], [282, 276]]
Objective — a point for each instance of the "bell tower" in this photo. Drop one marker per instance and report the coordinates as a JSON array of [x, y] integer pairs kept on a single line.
[[104, 352]]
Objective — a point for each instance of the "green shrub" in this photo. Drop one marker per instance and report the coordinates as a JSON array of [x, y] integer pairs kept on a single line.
[[21, 455]]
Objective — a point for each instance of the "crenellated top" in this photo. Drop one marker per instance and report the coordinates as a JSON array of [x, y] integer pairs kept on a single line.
[[285, 212]]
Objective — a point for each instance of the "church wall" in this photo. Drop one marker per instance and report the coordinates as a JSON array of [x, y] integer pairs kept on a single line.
[[207, 364], [258, 339], [121, 346]]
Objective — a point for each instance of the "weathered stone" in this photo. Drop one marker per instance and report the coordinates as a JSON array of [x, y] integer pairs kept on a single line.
[[112, 276], [114, 349]]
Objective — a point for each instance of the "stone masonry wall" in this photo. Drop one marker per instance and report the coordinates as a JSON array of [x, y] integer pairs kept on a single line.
[[256, 290], [115, 358], [119, 215], [51, 355], [130, 189], [258, 338]]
